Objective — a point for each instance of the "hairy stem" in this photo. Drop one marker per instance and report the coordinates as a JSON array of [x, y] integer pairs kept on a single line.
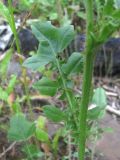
[[84, 104], [87, 78]]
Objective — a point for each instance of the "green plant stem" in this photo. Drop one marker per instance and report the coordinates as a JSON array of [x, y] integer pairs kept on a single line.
[[84, 104], [63, 79], [87, 78], [64, 86], [26, 87], [13, 27]]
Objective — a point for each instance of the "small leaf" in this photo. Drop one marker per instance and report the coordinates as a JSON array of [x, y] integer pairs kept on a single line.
[[5, 13], [55, 141], [74, 64], [5, 62], [37, 61], [100, 102], [32, 151], [3, 95], [108, 7], [94, 113], [106, 31], [20, 128], [46, 86], [53, 16], [11, 84], [41, 121], [53, 113], [81, 15], [99, 98], [43, 57], [42, 135]]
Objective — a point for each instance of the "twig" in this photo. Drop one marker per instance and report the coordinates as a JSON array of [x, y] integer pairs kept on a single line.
[[112, 110], [111, 94], [108, 108], [8, 149], [107, 88]]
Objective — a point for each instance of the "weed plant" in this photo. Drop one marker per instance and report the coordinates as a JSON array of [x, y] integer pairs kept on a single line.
[[52, 42]]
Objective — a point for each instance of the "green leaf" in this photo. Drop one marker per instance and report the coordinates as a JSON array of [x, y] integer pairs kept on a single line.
[[35, 62], [94, 113], [42, 135], [16, 107], [3, 95], [116, 16], [52, 41], [108, 7], [69, 84], [53, 113], [41, 122], [20, 128], [11, 84], [74, 64], [57, 38], [55, 141], [32, 151], [100, 102], [53, 16], [99, 98], [107, 29], [24, 5], [81, 15], [109, 20], [43, 57], [5, 13], [46, 86], [5, 62]]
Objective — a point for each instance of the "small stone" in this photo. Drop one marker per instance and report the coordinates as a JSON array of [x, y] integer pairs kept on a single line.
[[28, 42]]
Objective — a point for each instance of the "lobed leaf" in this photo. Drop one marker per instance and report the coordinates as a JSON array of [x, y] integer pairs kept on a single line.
[[57, 38]]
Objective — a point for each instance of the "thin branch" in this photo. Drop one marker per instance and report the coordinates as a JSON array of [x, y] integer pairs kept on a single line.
[[7, 150], [112, 110]]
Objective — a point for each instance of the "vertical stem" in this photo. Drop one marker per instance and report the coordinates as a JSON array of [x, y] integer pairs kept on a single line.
[[88, 69], [87, 78], [26, 88], [13, 27]]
